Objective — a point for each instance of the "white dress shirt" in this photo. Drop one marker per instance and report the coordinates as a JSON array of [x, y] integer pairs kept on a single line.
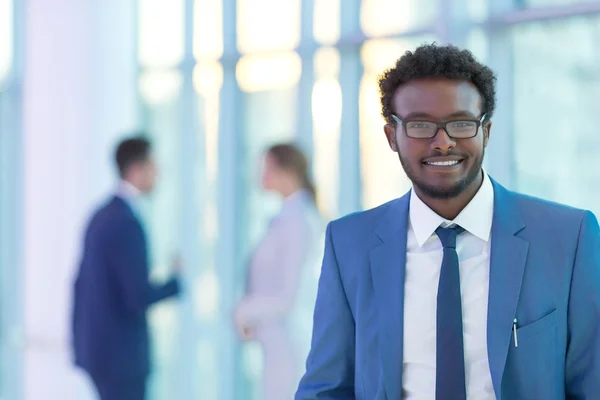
[[424, 255], [129, 193]]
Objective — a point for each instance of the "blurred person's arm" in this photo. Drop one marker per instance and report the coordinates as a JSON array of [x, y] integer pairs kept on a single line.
[[129, 267], [292, 238], [582, 380], [330, 364]]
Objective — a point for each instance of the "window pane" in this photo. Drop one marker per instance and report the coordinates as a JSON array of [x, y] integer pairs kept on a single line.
[[326, 25], [208, 78], [327, 115], [6, 38], [477, 42], [382, 175], [478, 10], [159, 87], [383, 17], [162, 216], [547, 3], [256, 73], [161, 31], [182, 329], [268, 25], [557, 87], [208, 28]]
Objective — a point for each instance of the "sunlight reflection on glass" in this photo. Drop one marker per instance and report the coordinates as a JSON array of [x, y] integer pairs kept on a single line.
[[327, 105], [327, 115], [6, 37], [206, 295], [208, 28], [161, 32], [269, 72], [160, 87], [327, 62], [326, 26], [382, 17], [208, 77], [268, 25]]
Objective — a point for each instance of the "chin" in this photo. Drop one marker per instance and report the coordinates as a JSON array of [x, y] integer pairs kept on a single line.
[[445, 190], [442, 192]]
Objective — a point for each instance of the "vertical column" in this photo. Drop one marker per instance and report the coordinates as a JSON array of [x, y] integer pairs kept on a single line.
[[11, 304], [79, 72], [304, 129], [230, 221], [500, 160], [191, 205], [350, 75]]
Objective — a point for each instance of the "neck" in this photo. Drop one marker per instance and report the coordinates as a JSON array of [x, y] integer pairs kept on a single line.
[[450, 208], [289, 190], [131, 188]]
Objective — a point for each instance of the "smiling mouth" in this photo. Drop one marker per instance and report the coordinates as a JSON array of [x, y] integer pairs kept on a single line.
[[450, 163]]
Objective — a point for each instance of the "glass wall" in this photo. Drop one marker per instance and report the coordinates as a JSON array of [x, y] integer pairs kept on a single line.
[[221, 80], [555, 109], [9, 201]]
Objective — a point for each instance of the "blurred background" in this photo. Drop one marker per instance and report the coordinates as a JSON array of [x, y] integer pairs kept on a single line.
[[214, 82]]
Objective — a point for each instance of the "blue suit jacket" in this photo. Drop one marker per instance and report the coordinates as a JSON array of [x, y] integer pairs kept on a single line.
[[544, 270], [112, 294]]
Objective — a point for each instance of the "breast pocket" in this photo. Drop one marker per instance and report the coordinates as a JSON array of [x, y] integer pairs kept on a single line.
[[532, 369]]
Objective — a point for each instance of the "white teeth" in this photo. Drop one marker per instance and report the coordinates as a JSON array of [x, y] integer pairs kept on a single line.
[[443, 163]]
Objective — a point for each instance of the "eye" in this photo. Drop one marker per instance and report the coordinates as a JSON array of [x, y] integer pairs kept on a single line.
[[419, 125], [463, 125]]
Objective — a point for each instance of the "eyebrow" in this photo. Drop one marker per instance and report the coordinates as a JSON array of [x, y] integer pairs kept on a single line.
[[462, 113]]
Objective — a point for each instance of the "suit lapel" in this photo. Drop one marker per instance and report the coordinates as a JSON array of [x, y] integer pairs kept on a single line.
[[507, 264], [388, 262]]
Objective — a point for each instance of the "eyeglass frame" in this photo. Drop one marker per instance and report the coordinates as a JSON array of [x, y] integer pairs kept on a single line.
[[440, 125]]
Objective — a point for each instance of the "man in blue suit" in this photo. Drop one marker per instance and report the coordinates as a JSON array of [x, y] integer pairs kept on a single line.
[[460, 289], [112, 290]]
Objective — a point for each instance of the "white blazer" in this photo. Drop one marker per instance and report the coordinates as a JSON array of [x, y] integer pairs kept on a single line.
[[284, 264]]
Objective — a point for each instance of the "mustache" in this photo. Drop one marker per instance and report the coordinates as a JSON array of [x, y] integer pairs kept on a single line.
[[448, 154]]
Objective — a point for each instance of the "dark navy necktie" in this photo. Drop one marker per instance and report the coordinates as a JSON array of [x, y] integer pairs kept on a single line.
[[450, 360]]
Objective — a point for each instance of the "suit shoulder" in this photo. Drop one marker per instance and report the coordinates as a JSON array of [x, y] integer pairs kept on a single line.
[[362, 220], [113, 214], [540, 209], [550, 216]]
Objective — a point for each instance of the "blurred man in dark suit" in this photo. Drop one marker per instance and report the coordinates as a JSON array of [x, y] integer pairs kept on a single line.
[[112, 290]]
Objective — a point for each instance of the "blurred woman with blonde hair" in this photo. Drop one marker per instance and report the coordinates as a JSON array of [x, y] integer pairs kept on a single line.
[[279, 274]]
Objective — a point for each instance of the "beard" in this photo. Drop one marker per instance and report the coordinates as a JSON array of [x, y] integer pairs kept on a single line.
[[448, 192]]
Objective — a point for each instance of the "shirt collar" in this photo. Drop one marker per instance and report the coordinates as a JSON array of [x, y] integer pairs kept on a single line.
[[128, 192], [296, 197], [476, 217]]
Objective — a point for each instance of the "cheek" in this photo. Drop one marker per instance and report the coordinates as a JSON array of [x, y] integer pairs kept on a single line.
[[266, 179], [412, 150], [476, 146]]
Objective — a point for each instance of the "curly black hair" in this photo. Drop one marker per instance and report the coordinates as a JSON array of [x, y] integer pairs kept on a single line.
[[438, 61]]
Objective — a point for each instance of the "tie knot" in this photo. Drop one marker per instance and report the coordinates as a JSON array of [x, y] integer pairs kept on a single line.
[[448, 235]]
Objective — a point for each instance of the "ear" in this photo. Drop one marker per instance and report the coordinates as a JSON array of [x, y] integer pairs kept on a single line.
[[390, 134], [486, 133]]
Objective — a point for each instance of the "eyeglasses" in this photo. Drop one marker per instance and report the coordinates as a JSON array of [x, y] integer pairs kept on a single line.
[[459, 129]]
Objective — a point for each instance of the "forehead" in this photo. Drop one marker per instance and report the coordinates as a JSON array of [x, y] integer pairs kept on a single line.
[[437, 97]]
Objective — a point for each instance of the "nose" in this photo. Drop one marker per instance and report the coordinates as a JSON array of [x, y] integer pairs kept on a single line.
[[442, 142]]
